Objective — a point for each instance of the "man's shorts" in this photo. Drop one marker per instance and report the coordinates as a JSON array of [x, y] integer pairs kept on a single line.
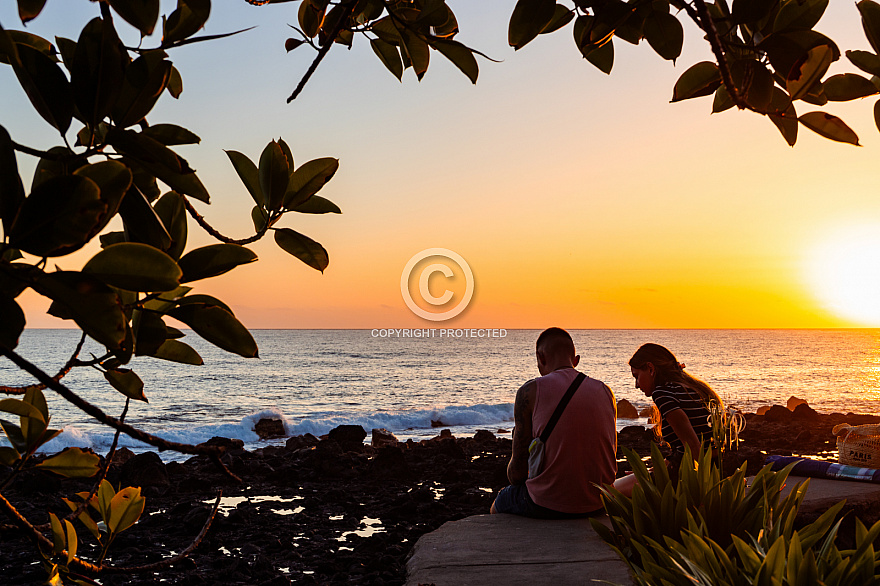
[[515, 500]]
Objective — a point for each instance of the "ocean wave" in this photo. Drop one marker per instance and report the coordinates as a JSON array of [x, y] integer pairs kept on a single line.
[[319, 424]]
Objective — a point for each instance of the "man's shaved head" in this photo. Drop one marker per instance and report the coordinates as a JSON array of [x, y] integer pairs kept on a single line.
[[555, 341]]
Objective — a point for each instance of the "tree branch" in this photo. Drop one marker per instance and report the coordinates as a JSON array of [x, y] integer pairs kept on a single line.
[[705, 22], [213, 232], [213, 452], [348, 8], [72, 361], [107, 461]]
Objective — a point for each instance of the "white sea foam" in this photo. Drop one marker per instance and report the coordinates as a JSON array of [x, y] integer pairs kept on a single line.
[[398, 422]]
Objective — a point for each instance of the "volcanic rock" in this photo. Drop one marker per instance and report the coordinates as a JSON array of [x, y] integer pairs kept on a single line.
[[793, 402], [777, 413], [268, 428], [144, 470], [804, 411], [299, 442], [382, 437], [484, 435], [762, 409], [625, 410], [349, 437], [647, 411]]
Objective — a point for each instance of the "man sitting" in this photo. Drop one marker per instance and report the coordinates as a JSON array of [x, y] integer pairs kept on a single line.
[[579, 454]]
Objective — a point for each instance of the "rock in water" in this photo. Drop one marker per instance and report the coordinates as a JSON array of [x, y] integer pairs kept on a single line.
[[793, 402], [762, 409], [382, 437], [484, 435], [268, 428], [647, 411], [777, 413], [804, 411], [625, 410], [298, 442], [349, 437], [143, 470]]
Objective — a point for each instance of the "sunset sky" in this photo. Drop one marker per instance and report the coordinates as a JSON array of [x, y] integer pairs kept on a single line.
[[578, 199]]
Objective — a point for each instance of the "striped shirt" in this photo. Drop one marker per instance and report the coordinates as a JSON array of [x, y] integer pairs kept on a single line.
[[671, 396]]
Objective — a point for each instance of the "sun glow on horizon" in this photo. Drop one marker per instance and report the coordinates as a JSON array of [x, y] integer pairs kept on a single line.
[[843, 271]]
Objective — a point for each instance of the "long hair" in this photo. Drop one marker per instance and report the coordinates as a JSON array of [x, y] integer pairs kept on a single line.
[[668, 370]]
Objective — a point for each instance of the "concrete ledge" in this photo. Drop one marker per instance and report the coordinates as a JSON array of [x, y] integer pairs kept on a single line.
[[511, 550]]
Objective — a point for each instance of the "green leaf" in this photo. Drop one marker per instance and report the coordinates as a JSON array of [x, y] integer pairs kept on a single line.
[[126, 508], [46, 86], [829, 126], [172, 211], [160, 161], [755, 83], [786, 50], [141, 14], [249, 175], [59, 216], [11, 188], [58, 535], [288, 154], [389, 56], [290, 44], [877, 114], [701, 79], [150, 332], [175, 83], [665, 35], [29, 9], [72, 463], [258, 215], [865, 60], [12, 324], [417, 52], [71, 541], [311, 17], [126, 382], [175, 351], [144, 81], [808, 70], [602, 56], [460, 56], [94, 306], [317, 205], [562, 15], [785, 117], [189, 17], [274, 174], [848, 86], [36, 398], [799, 14], [870, 12], [97, 70], [21, 408], [31, 40], [750, 11], [216, 324], [67, 48], [170, 299], [529, 18], [142, 223], [8, 456], [303, 248], [14, 435], [308, 180], [213, 260], [135, 267]]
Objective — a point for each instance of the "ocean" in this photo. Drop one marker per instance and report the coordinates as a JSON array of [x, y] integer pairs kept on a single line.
[[314, 380]]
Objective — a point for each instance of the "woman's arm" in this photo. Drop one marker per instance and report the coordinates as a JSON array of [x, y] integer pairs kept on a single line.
[[682, 427]]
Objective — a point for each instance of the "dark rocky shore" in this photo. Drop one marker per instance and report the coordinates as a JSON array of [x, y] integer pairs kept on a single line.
[[332, 510]]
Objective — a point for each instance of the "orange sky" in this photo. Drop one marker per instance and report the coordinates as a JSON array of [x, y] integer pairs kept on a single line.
[[578, 199]]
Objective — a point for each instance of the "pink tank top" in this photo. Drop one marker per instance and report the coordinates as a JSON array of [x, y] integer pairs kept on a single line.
[[581, 451]]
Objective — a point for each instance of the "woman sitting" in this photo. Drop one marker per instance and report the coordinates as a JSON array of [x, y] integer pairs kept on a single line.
[[681, 400]]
